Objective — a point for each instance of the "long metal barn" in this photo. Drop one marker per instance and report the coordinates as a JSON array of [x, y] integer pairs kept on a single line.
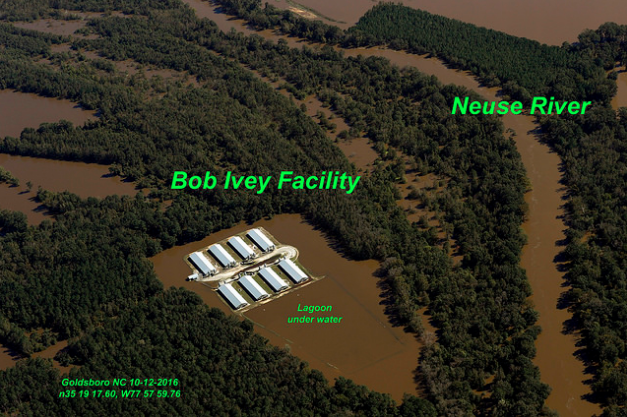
[[254, 289], [273, 279], [232, 296], [241, 248], [292, 271], [261, 240], [222, 256], [202, 263]]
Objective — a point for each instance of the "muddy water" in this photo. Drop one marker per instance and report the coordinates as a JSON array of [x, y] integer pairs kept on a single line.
[[620, 100], [51, 352], [555, 351], [358, 150], [18, 111], [56, 27], [547, 21], [363, 347], [8, 358]]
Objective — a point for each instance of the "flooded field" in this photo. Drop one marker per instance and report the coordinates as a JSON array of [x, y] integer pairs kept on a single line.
[[21, 110], [364, 346], [8, 358], [551, 22], [51, 352], [18, 111]]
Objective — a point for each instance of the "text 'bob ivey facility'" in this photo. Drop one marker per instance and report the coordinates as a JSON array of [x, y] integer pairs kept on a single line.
[[232, 296], [261, 240], [222, 256], [292, 271]]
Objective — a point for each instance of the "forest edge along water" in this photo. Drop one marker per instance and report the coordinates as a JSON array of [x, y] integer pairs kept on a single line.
[[556, 351], [21, 110], [363, 346], [543, 228]]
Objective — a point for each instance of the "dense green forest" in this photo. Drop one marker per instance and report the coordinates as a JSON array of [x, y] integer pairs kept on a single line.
[[237, 122], [523, 68], [592, 147]]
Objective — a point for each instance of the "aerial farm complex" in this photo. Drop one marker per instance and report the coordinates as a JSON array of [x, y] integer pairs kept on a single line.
[[249, 268]]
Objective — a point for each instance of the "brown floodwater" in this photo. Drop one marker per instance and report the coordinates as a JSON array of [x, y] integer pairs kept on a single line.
[[55, 27], [547, 21], [18, 111], [358, 150], [8, 358], [364, 346], [556, 359], [51, 352], [620, 99], [21, 110]]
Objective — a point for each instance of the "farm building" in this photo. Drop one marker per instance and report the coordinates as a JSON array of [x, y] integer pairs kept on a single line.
[[222, 256], [272, 279], [292, 271], [202, 263], [241, 248], [261, 240], [232, 296], [254, 289]]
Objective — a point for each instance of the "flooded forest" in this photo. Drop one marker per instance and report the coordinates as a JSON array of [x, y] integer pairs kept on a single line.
[[478, 267]]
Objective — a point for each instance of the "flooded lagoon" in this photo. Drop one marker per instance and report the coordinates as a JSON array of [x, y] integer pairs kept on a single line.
[[363, 346]]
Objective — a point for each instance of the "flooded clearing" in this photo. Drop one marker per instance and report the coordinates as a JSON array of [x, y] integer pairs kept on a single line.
[[18, 199], [364, 346], [8, 358], [51, 352], [85, 180]]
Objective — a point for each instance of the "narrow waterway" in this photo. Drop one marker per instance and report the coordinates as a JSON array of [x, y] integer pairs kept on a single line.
[[556, 350]]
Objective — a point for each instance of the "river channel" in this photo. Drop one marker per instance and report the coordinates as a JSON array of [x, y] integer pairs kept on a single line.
[[556, 350]]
